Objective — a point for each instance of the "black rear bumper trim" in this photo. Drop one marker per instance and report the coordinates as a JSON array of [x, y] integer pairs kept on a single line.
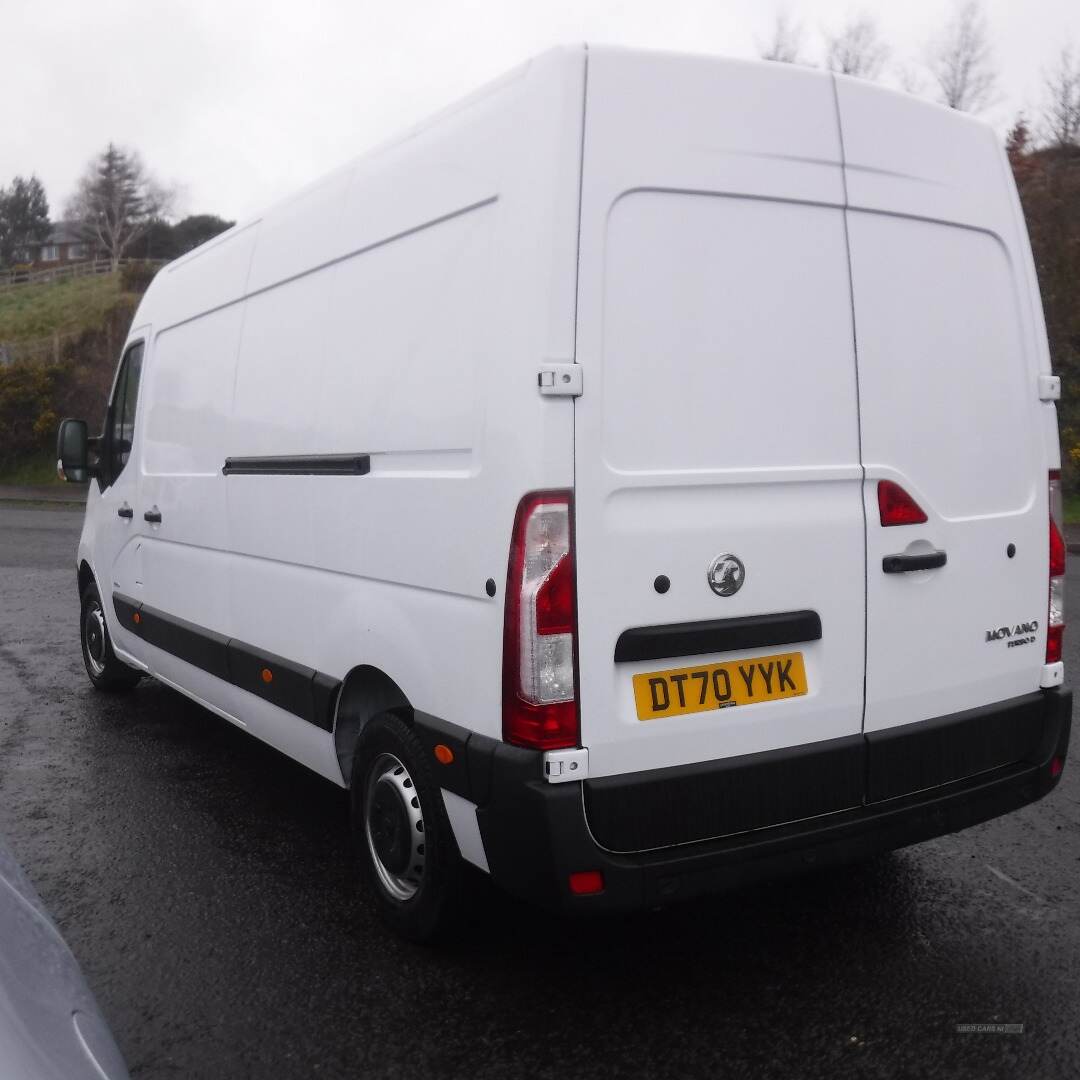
[[663, 808], [915, 757], [536, 834]]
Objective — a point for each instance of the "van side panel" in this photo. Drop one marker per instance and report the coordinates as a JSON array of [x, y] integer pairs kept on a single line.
[[400, 310], [186, 405], [208, 278]]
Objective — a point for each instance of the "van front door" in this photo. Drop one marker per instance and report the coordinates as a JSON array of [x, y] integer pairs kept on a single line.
[[118, 533]]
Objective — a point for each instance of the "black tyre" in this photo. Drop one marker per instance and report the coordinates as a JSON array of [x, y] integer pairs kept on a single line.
[[106, 672], [404, 838]]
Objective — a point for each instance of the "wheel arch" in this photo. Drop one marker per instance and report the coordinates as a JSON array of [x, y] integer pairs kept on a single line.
[[366, 692], [86, 576]]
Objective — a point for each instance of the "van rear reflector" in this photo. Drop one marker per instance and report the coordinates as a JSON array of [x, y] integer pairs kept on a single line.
[[586, 882], [896, 506]]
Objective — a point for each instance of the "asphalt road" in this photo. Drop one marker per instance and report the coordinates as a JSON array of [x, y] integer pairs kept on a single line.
[[206, 885]]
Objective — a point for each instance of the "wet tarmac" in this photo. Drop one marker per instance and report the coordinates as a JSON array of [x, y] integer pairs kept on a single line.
[[207, 886]]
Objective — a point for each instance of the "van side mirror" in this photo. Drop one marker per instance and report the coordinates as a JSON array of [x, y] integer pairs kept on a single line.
[[73, 452]]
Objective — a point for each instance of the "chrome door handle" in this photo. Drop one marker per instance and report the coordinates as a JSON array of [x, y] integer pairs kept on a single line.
[[905, 564], [153, 515], [125, 511]]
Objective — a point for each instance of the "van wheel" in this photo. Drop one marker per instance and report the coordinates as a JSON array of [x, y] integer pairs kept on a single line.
[[404, 837], [105, 670]]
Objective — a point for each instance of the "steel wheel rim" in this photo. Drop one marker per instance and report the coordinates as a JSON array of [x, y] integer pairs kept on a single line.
[[394, 827], [94, 637]]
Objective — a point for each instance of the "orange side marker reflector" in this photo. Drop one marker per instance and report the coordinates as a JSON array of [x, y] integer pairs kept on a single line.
[[267, 675], [443, 754], [136, 618], [585, 882]]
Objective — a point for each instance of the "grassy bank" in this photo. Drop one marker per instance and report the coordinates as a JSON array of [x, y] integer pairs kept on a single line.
[[29, 312]]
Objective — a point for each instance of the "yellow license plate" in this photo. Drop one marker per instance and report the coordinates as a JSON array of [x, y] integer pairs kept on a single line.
[[719, 686]]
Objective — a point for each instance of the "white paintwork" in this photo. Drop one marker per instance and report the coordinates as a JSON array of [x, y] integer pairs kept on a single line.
[[1052, 675], [113, 545], [1049, 387], [400, 307], [773, 287], [563, 766], [462, 815], [182, 689], [949, 365], [715, 333]]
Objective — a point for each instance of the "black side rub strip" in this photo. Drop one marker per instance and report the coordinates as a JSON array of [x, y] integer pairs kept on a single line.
[[302, 691], [202, 648], [717, 635], [299, 465]]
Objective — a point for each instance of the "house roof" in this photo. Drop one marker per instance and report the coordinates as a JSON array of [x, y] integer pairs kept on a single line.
[[63, 232]]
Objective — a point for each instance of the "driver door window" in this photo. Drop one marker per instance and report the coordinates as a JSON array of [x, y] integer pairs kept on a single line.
[[122, 410]]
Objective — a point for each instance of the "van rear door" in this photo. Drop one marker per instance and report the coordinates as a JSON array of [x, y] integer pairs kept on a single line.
[[718, 425], [948, 374]]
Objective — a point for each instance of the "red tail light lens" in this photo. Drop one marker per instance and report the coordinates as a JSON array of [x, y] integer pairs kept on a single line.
[[1057, 550], [896, 506], [539, 695], [1054, 642], [555, 599], [1055, 621]]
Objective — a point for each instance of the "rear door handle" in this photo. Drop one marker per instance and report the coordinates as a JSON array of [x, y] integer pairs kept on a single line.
[[153, 515], [125, 511], [905, 564]]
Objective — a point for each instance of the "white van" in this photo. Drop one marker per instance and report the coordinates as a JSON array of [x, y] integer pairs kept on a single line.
[[637, 481]]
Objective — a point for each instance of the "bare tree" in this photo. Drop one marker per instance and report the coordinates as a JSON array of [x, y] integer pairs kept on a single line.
[[785, 45], [910, 79], [116, 201], [857, 49], [1061, 112], [962, 62]]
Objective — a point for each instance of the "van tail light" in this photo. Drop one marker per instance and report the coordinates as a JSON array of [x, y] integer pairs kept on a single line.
[[539, 694], [896, 506], [1055, 622]]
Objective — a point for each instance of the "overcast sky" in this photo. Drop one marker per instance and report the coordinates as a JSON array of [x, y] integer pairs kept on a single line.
[[238, 102]]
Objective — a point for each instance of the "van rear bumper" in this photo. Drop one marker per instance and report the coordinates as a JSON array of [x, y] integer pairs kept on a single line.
[[536, 833]]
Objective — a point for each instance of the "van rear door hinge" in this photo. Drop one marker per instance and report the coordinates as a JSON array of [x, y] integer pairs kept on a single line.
[[1049, 387], [559, 380], [563, 765]]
